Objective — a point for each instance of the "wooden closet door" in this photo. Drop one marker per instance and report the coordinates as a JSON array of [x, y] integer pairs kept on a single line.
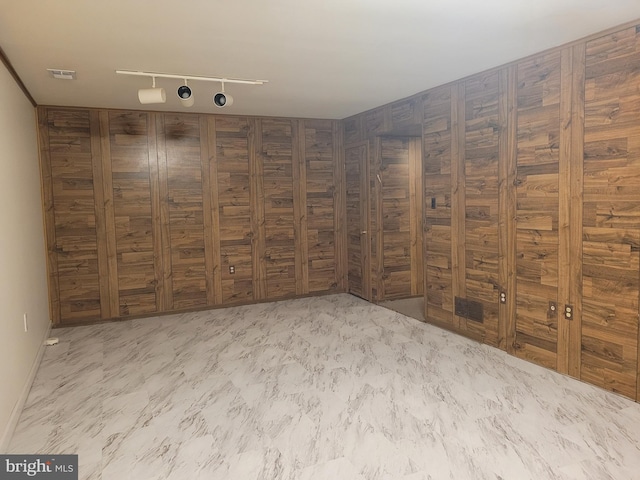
[[537, 241], [611, 217], [358, 243]]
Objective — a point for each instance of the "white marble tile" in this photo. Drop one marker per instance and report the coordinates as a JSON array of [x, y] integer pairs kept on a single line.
[[320, 388]]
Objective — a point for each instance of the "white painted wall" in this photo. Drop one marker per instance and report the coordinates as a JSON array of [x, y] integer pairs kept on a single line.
[[23, 278]]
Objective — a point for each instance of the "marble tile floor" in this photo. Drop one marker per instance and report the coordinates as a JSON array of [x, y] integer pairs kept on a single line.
[[321, 388]]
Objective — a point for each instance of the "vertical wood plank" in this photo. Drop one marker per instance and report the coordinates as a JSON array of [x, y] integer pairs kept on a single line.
[[257, 203], [576, 174], [416, 213], [49, 216], [100, 212], [565, 206], [215, 210], [378, 233], [507, 192], [163, 184], [109, 215], [365, 221], [207, 210], [340, 207], [300, 226], [458, 259], [156, 218]]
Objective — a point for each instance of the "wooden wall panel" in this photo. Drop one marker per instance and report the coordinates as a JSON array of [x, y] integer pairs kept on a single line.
[[531, 191], [76, 244], [396, 213], [356, 158], [611, 217], [232, 137], [538, 130], [319, 158], [129, 156], [481, 153], [156, 212], [277, 153], [437, 207], [186, 220]]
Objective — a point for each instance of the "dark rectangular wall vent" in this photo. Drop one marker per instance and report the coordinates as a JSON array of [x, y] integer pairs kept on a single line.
[[469, 309]]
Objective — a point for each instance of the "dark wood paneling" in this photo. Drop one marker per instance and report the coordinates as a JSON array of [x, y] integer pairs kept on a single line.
[[396, 218], [611, 216], [277, 158], [356, 158], [76, 242], [538, 102], [156, 212], [322, 255], [232, 137], [437, 189], [134, 234], [186, 220], [481, 153]]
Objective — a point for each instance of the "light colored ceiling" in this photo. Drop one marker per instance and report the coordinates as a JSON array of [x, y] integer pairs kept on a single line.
[[323, 59]]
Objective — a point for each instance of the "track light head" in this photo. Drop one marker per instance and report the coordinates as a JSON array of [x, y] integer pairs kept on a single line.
[[186, 96], [152, 95], [222, 99]]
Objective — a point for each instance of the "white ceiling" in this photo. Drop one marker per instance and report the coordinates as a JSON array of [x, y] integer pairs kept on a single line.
[[323, 59]]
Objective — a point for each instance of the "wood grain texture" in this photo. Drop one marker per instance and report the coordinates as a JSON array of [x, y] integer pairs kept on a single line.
[[164, 226], [207, 213], [437, 157], [127, 135], [399, 225], [507, 217], [339, 208], [156, 213], [356, 160], [46, 178], [279, 223], [76, 241], [300, 226], [416, 215], [232, 147], [480, 203], [324, 182], [458, 143], [147, 212], [186, 220], [256, 192], [611, 217], [537, 183]]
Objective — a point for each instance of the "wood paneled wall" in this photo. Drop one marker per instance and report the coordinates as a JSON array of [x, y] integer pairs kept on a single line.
[[532, 191], [148, 212]]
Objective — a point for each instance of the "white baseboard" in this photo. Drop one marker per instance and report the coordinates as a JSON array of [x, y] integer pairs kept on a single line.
[[17, 409]]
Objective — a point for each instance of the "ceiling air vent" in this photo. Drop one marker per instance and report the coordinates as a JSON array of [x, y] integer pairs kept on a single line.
[[62, 74]]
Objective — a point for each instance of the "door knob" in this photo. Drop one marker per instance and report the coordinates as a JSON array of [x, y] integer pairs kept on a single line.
[[363, 232]]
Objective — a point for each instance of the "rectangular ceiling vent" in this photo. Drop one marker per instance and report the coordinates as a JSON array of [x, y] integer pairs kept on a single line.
[[62, 74]]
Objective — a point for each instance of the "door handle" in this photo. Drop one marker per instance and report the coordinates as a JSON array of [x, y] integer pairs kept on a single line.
[[363, 232]]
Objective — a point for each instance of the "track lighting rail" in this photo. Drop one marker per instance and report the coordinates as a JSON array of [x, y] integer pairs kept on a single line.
[[191, 77]]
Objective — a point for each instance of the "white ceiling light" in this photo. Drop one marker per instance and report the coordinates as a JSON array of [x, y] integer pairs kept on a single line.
[[185, 94], [152, 95], [221, 99]]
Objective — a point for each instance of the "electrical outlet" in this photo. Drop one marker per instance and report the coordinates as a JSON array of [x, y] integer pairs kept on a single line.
[[232, 269], [26, 326]]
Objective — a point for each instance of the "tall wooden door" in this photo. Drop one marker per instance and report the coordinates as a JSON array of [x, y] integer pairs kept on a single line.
[[358, 236], [611, 214], [400, 180], [537, 184]]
